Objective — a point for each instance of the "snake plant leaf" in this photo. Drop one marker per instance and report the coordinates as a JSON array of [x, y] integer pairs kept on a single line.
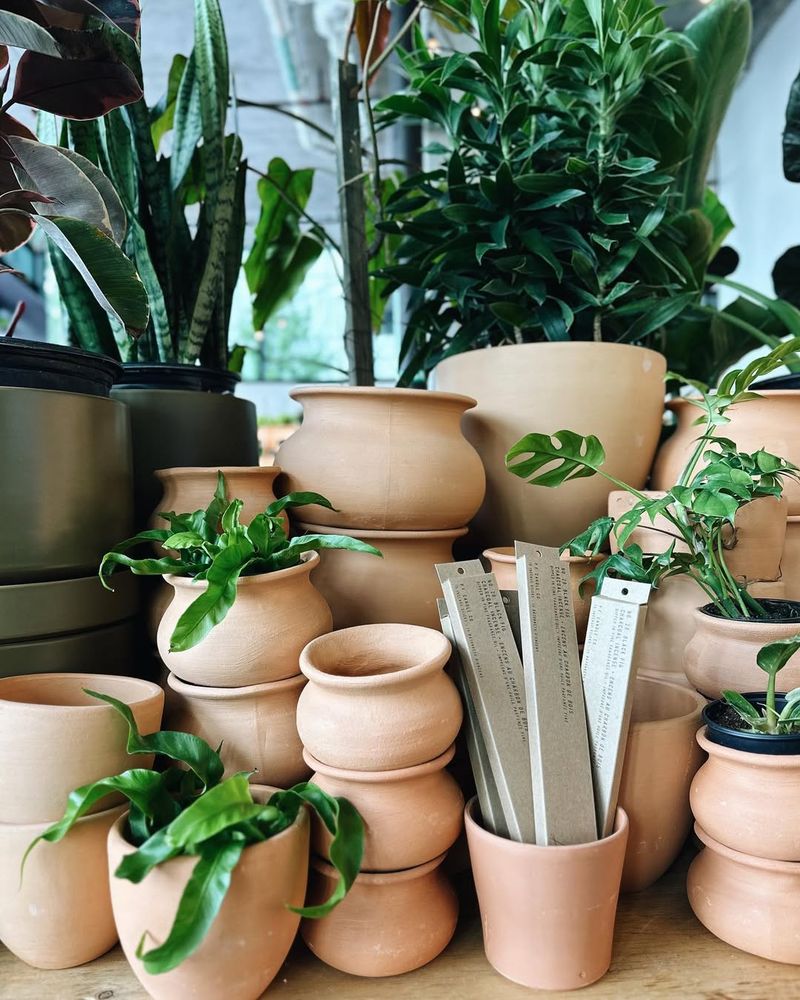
[[89, 324], [211, 54], [775, 655], [791, 135], [162, 114], [553, 459], [188, 122]]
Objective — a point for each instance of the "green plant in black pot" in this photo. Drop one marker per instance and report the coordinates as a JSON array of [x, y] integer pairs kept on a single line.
[[768, 716]]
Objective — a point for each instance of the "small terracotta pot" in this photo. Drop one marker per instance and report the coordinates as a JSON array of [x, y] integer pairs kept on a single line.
[[378, 698], [386, 800], [54, 738], [401, 587], [748, 902], [251, 935], [660, 761], [191, 489], [256, 725], [547, 912], [260, 639], [388, 924], [60, 915], [790, 565]]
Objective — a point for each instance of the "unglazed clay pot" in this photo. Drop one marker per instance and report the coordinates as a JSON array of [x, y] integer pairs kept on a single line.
[[60, 914], [655, 536], [661, 759], [55, 738], [547, 912], [363, 589], [415, 470], [790, 565], [250, 938], [389, 923], [378, 698], [260, 639], [386, 800], [191, 489], [256, 725], [746, 901]]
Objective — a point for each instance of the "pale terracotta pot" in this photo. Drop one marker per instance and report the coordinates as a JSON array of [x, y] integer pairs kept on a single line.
[[190, 489], [251, 935], [547, 912], [54, 738], [378, 698], [746, 901], [256, 725], [260, 638], [650, 537], [389, 923], [363, 589], [387, 459], [790, 564], [60, 915], [661, 759], [386, 800]]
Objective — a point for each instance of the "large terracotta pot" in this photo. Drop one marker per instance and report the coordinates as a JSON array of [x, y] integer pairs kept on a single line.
[[613, 391], [191, 489], [790, 565], [55, 738], [547, 912], [385, 800], [260, 638], [250, 938], [60, 914], [389, 923], [401, 587], [378, 698], [387, 459]]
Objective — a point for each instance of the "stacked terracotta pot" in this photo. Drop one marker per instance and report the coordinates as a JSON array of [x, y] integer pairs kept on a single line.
[[378, 720]]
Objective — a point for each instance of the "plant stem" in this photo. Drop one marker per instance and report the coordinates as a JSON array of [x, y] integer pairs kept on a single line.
[[373, 69]]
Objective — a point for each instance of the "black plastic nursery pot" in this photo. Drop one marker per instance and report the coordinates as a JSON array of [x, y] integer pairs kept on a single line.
[[31, 364], [721, 728], [789, 381]]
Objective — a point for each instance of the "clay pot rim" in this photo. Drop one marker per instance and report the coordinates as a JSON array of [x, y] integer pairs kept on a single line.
[[564, 346], [381, 777], [381, 878], [36, 828], [149, 690], [704, 615], [673, 720], [678, 402], [776, 761], [306, 527], [204, 692], [308, 561], [747, 860], [505, 554], [185, 471], [300, 392]]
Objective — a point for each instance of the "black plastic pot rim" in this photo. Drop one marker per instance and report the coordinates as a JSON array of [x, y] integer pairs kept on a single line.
[[195, 378], [33, 364], [765, 744]]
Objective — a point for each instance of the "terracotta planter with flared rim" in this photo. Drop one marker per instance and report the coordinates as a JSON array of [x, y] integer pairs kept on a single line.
[[60, 915], [415, 469], [401, 587], [250, 938], [54, 738], [256, 725], [192, 489], [661, 759], [389, 923], [378, 698], [790, 565], [748, 902], [547, 912], [386, 800], [260, 639]]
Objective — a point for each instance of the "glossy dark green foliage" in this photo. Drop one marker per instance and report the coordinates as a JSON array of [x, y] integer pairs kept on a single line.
[[765, 718]]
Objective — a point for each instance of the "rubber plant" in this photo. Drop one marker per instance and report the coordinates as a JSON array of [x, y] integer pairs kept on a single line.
[[765, 718], [189, 809]]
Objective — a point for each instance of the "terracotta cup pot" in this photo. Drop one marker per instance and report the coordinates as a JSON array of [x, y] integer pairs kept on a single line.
[[389, 923], [746, 901], [60, 914], [378, 698], [401, 587], [790, 564], [386, 800], [256, 725], [415, 469], [250, 938], [192, 489], [547, 912], [260, 638], [661, 759], [54, 738]]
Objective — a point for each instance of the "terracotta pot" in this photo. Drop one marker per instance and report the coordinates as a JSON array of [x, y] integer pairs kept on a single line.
[[251, 935], [790, 565], [60, 915], [401, 587], [256, 725], [388, 924], [192, 489], [547, 912], [660, 761], [650, 538], [260, 639], [386, 800], [54, 738], [748, 902], [387, 459], [378, 698]]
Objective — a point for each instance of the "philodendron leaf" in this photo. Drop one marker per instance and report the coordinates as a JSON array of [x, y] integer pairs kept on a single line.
[[591, 541], [550, 460], [774, 656], [742, 706]]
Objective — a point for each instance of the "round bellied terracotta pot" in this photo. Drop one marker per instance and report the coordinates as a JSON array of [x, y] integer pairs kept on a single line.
[[386, 800], [402, 586], [387, 459], [55, 738], [260, 639], [256, 725], [59, 915], [378, 698], [389, 923], [547, 912], [191, 489]]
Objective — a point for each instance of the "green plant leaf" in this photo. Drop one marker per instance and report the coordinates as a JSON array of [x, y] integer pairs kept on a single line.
[[290, 556], [742, 706], [775, 655], [298, 499], [550, 460], [226, 804], [791, 134], [591, 541]]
